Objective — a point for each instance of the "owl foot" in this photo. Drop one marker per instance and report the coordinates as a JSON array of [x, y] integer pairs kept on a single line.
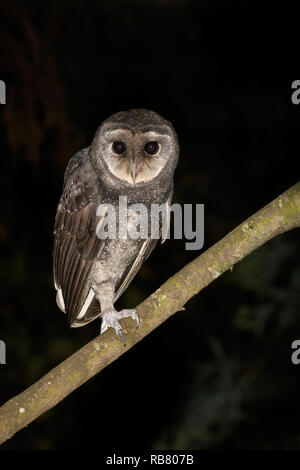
[[110, 320]]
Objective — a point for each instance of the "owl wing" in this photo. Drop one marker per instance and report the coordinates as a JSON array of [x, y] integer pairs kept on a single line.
[[76, 244], [146, 249]]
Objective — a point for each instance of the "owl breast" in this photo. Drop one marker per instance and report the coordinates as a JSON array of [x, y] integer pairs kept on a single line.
[[117, 255]]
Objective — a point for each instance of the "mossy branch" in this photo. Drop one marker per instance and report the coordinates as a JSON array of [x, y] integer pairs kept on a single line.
[[277, 217]]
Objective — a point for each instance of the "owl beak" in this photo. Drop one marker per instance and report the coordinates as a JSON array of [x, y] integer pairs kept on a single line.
[[134, 168], [133, 173]]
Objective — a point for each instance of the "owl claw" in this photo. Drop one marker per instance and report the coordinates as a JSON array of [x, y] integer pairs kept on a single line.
[[130, 313], [122, 337], [110, 320]]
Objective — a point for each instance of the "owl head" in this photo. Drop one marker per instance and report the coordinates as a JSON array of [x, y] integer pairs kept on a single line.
[[135, 147]]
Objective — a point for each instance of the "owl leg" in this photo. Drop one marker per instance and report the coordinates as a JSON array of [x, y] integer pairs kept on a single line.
[[104, 292]]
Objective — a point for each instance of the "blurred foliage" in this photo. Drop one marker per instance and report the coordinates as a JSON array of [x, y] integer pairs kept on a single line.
[[219, 374]]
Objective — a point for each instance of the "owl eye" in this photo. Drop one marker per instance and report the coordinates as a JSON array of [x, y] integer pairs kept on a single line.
[[151, 147], [118, 147]]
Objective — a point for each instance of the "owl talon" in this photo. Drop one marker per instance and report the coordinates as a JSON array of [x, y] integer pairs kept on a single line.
[[110, 320], [131, 313], [122, 337]]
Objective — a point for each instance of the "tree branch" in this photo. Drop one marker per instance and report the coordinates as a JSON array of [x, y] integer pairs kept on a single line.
[[277, 217]]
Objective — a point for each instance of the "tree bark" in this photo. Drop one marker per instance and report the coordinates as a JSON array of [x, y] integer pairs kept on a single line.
[[279, 216]]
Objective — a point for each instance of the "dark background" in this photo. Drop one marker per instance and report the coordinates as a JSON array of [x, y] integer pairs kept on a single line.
[[218, 375]]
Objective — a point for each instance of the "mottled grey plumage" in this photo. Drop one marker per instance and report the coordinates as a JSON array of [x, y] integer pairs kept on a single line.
[[90, 273]]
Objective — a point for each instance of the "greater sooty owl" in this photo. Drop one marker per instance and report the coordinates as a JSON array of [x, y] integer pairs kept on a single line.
[[133, 154]]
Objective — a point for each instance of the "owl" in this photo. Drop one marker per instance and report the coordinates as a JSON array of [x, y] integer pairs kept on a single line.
[[134, 155]]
